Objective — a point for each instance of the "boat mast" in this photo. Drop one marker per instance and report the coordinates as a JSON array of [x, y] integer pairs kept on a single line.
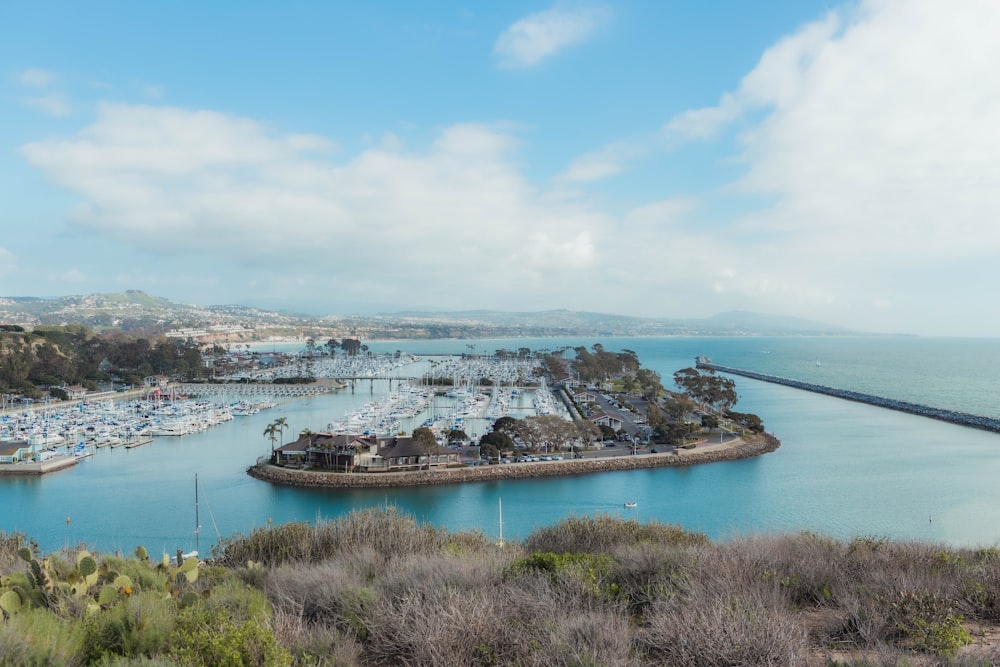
[[500, 502], [197, 524]]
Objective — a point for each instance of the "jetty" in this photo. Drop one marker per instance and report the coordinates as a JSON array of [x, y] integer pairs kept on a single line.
[[941, 414]]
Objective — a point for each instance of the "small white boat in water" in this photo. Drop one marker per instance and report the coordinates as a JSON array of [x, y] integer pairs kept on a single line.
[[631, 504]]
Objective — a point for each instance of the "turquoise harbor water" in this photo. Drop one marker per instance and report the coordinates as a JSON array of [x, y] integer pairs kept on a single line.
[[843, 469]]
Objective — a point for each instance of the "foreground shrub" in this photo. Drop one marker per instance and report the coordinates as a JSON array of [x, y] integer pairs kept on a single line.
[[38, 638], [603, 533], [138, 625], [314, 644], [385, 531], [745, 627], [209, 637], [10, 546], [589, 571], [925, 620]]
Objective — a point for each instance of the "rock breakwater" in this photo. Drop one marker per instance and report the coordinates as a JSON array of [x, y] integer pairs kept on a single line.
[[751, 447], [941, 414]]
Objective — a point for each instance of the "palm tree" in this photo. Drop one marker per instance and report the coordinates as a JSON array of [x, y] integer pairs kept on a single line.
[[272, 434], [280, 424]]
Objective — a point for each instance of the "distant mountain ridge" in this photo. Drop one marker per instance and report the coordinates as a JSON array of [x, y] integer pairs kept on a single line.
[[135, 309], [732, 322]]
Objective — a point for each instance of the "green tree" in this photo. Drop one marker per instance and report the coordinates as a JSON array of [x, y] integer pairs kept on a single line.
[[425, 442], [549, 432], [497, 441], [512, 427], [649, 383], [708, 389]]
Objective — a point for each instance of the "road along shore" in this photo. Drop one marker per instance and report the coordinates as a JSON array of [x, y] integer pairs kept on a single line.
[[738, 449]]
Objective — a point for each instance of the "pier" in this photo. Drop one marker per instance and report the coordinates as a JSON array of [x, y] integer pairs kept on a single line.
[[941, 414]]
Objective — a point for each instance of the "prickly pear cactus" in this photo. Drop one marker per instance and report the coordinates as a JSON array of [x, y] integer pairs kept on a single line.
[[108, 595], [86, 564], [124, 584], [10, 603]]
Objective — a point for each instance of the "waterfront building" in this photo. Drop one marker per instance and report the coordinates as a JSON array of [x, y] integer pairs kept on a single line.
[[363, 453]]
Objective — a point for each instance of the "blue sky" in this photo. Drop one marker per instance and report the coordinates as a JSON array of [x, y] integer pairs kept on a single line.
[[673, 159]]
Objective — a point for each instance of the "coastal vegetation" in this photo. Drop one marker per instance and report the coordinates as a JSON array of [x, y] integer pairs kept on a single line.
[[48, 358], [375, 587]]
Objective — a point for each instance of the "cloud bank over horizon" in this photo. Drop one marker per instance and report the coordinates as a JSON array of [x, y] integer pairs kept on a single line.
[[848, 177]]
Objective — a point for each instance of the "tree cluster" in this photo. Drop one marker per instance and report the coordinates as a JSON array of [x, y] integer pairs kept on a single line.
[[73, 354], [708, 389], [598, 365]]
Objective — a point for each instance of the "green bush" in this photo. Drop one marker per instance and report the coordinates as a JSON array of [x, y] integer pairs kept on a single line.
[[212, 638], [927, 620], [603, 533], [137, 625], [39, 638]]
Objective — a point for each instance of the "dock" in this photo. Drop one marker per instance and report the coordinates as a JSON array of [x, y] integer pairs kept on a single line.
[[39, 468], [941, 414], [138, 442]]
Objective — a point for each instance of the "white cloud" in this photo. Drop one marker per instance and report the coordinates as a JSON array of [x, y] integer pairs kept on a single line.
[[869, 141], [35, 78], [874, 133], [53, 104], [539, 36], [603, 163], [704, 123], [455, 221], [777, 78]]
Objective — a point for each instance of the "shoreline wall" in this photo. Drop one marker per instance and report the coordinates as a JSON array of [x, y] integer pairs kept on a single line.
[[754, 446], [950, 416]]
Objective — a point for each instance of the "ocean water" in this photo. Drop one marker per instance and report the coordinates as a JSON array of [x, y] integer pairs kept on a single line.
[[844, 469]]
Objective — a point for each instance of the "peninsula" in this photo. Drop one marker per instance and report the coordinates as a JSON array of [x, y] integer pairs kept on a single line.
[[702, 453]]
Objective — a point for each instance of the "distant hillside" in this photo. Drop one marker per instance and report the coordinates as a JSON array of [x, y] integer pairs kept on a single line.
[[135, 310], [565, 321], [745, 321]]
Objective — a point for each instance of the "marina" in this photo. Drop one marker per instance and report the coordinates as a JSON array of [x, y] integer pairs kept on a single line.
[[455, 394], [844, 468]]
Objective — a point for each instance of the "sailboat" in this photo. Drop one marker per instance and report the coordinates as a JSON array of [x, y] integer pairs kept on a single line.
[[197, 524], [500, 503]]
